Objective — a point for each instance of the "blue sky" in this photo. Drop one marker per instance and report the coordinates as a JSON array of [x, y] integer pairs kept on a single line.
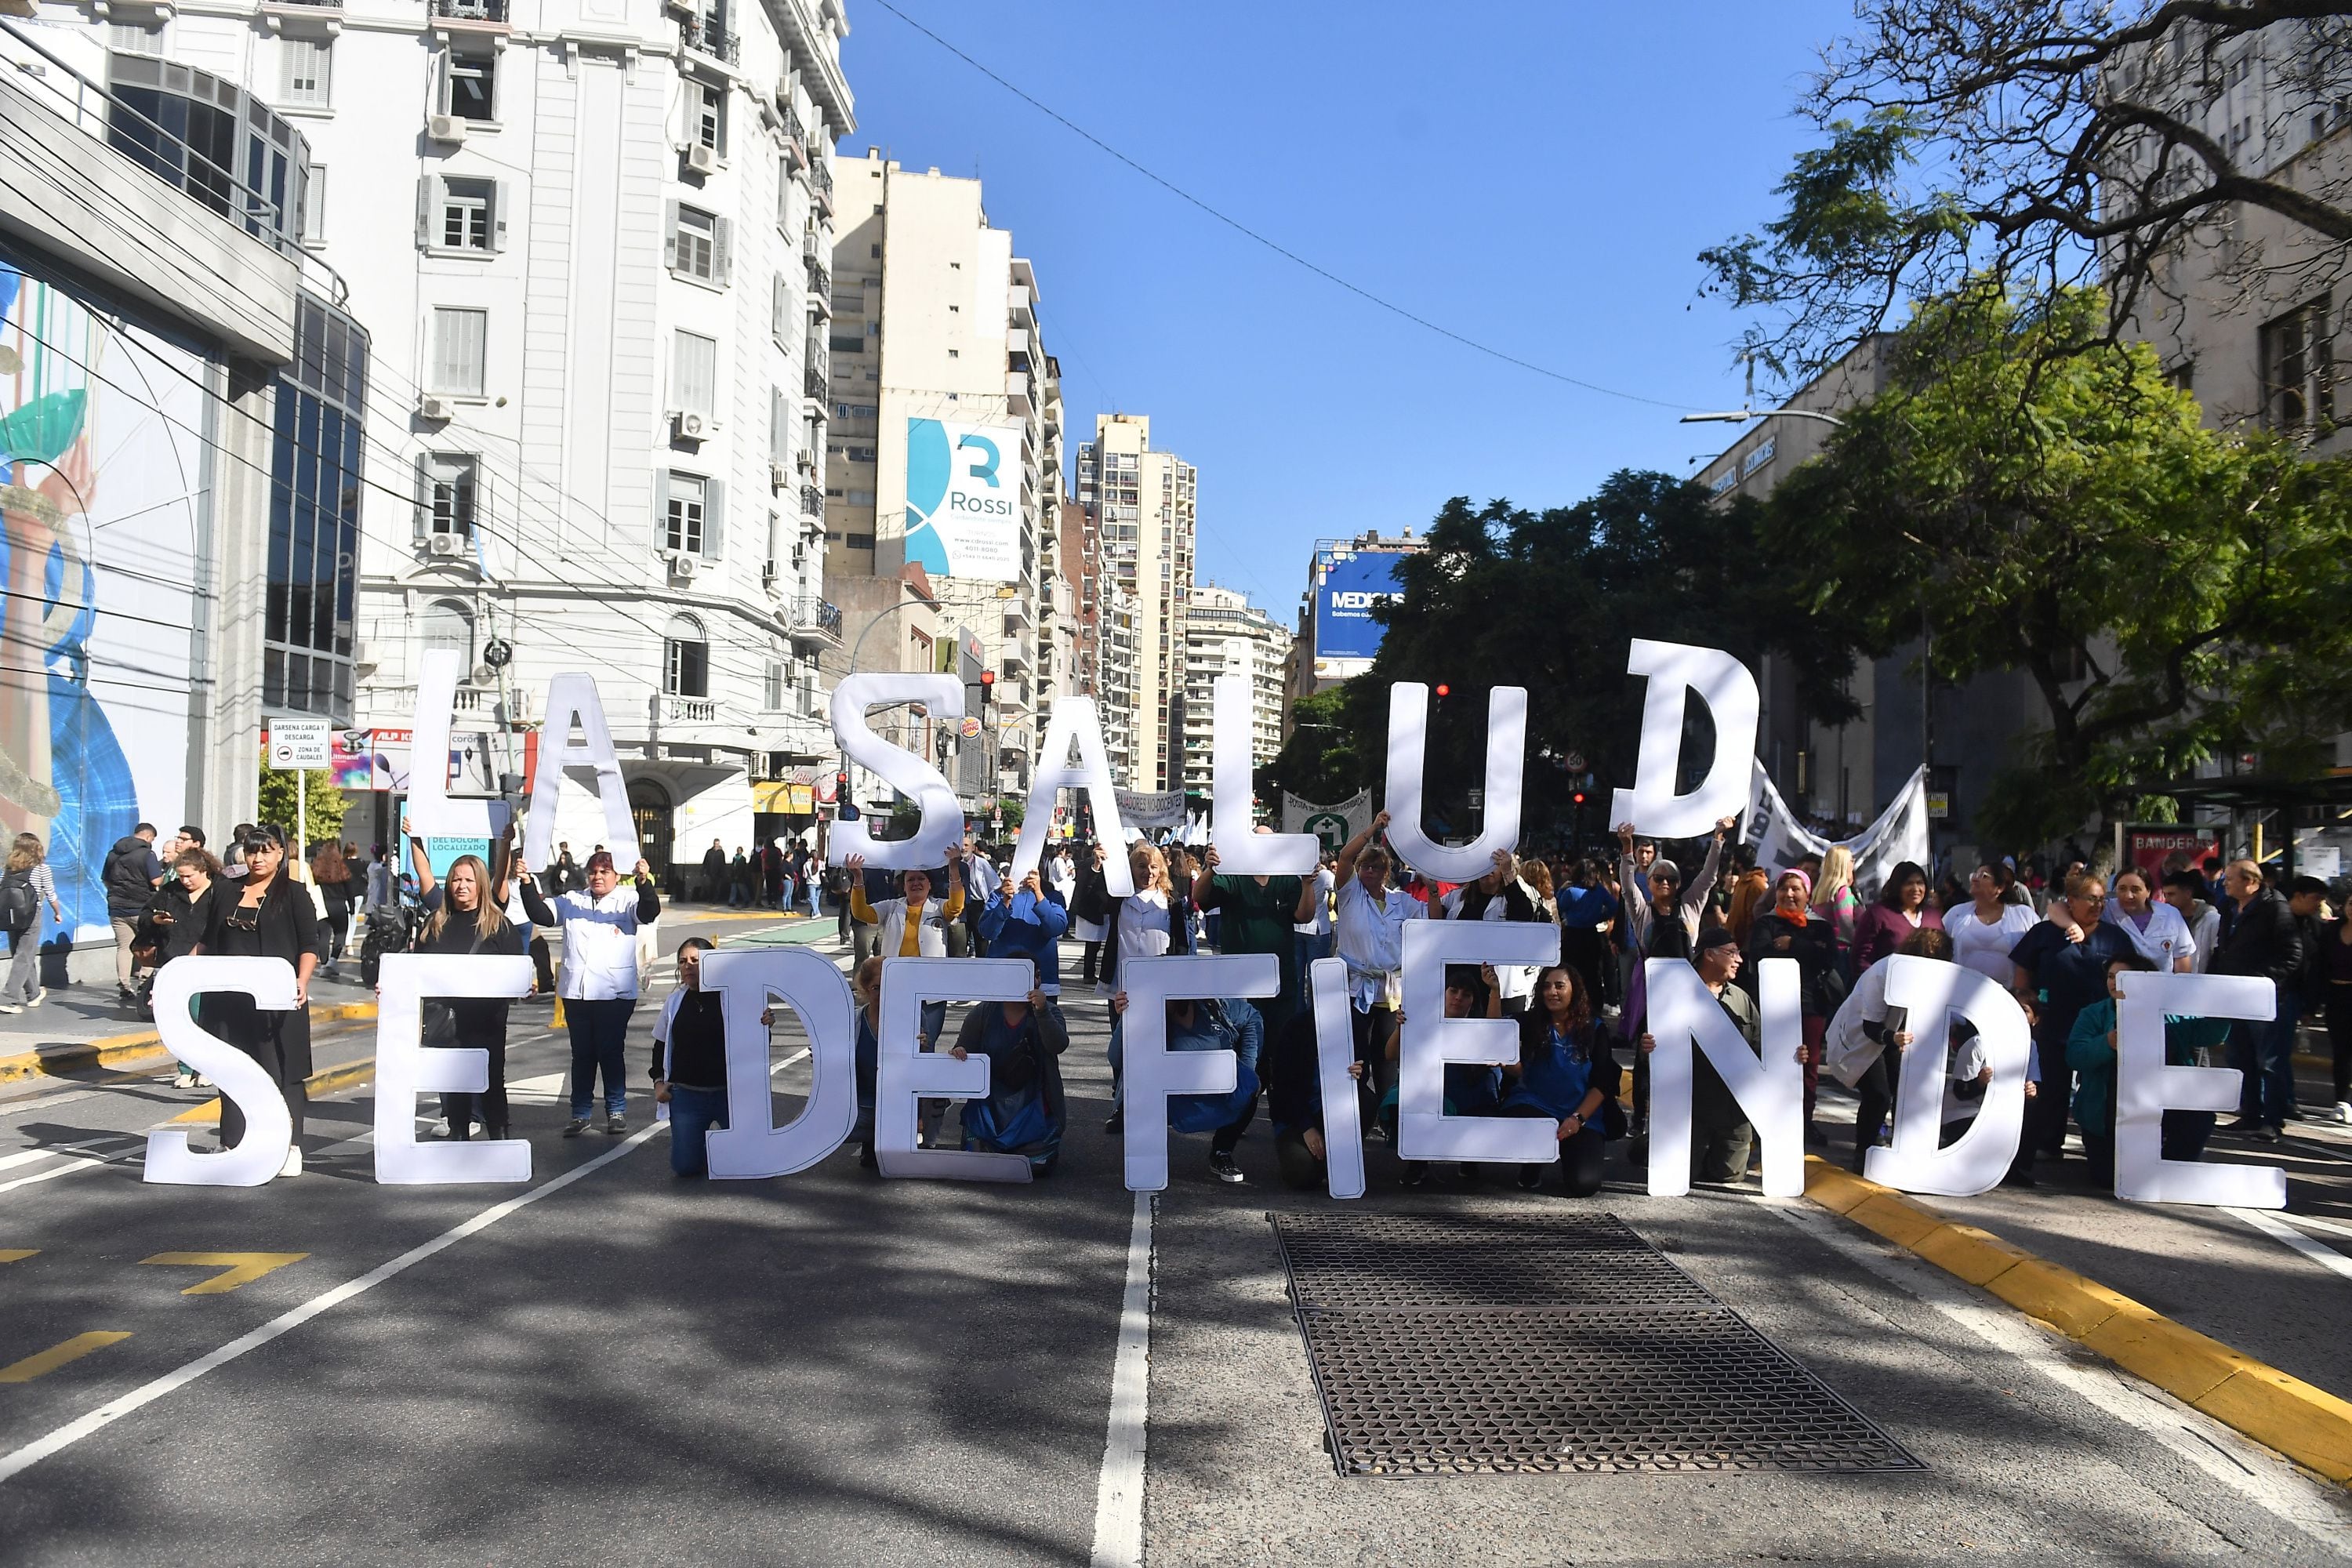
[[1538, 177]]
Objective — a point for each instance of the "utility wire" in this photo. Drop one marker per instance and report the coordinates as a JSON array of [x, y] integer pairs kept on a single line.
[[1279, 249]]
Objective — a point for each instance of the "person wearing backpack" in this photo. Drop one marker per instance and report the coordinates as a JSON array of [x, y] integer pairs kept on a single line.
[[25, 884], [130, 873]]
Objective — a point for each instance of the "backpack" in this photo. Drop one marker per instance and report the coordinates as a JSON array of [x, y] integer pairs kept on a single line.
[[18, 902]]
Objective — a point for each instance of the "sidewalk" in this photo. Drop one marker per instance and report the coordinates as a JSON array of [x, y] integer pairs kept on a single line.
[[82, 1028]]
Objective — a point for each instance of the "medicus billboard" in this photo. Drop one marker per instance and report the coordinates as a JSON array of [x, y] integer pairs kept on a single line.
[[964, 500], [1347, 586]]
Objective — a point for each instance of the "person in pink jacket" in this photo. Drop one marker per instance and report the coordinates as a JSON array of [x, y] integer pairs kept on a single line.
[[1902, 908]]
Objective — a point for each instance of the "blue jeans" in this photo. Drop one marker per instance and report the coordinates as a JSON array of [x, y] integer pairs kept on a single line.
[[600, 1031], [2264, 1053], [693, 1112], [1306, 949]]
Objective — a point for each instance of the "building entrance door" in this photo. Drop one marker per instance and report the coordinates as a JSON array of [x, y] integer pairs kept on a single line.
[[649, 807]]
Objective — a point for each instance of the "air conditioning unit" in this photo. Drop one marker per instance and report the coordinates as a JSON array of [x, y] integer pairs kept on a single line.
[[770, 572], [485, 676], [684, 563], [443, 544], [364, 656], [779, 477], [449, 128], [689, 427], [428, 407], [701, 160], [806, 458]]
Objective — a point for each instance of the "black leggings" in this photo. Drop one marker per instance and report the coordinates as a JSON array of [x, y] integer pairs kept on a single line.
[[1580, 1157], [1091, 962], [1877, 1090]]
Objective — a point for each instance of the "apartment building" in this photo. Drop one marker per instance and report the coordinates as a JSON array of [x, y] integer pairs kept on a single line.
[[590, 242], [1140, 519], [946, 450], [1227, 634]]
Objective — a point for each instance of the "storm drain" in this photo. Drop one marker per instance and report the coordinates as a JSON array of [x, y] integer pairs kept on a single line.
[[1504, 1346]]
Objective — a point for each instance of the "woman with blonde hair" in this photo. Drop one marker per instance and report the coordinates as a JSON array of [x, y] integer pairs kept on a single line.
[[466, 919], [1147, 923], [25, 885], [1833, 896]]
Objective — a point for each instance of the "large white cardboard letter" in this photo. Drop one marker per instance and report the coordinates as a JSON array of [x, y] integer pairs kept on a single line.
[[1335, 1052], [1241, 850], [942, 824], [431, 813], [1723, 684], [1074, 721], [572, 700], [1929, 991], [2146, 1087], [1507, 749], [751, 1146], [904, 1073], [269, 1129], [1154, 1074], [405, 1069], [1682, 1011], [1429, 1040]]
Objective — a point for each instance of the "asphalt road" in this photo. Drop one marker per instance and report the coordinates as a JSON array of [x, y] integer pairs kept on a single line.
[[833, 1369]]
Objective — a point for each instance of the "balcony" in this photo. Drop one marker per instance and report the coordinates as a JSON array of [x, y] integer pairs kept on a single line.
[[472, 13], [816, 624], [795, 133], [1016, 615], [1015, 657], [820, 285], [1016, 392], [707, 35], [817, 378], [812, 502], [686, 710], [821, 184]]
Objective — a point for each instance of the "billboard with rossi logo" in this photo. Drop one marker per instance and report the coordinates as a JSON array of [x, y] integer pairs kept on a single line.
[[1351, 586], [964, 500]]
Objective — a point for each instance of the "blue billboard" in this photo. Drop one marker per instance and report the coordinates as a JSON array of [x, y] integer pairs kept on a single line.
[[1350, 586]]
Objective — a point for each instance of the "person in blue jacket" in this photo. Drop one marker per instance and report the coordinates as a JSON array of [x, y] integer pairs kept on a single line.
[[1024, 1112], [1230, 1025], [1028, 921], [1564, 1076]]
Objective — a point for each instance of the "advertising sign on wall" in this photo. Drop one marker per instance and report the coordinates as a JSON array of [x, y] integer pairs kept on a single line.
[[1351, 586], [964, 500]]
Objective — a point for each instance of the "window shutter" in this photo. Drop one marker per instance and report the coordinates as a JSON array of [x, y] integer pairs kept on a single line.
[[670, 235], [714, 518], [423, 498], [722, 231], [498, 215], [661, 508], [428, 202]]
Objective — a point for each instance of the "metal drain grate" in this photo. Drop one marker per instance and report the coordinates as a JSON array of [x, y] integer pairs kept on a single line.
[[1501, 1347]]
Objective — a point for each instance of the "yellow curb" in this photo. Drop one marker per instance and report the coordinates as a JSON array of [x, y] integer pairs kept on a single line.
[[318, 1083], [2308, 1425], [114, 1051]]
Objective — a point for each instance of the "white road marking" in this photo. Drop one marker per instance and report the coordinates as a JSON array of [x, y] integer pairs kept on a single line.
[[2272, 1226], [26, 1156], [22, 1459], [2264, 1478], [75, 1163], [2333, 1227], [1119, 1495]]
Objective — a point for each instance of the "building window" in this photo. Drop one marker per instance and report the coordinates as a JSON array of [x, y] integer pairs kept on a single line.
[[471, 91], [452, 485], [2299, 368], [466, 214], [708, 104], [307, 63], [314, 207], [780, 428], [689, 498], [698, 244], [780, 313], [460, 349], [136, 38], [685, 659], [771, 694], [314, 528], [694, 375], [448, 624]]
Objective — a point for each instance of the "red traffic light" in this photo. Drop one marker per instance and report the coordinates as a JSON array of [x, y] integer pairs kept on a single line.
[[1578, 797], [988, 677], [1443, 690]]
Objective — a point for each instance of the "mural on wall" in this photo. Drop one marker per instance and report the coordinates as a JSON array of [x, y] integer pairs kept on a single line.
[[102, 472]]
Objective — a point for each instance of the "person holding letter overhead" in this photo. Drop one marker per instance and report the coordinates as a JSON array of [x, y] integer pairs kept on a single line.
[[1370, 920]]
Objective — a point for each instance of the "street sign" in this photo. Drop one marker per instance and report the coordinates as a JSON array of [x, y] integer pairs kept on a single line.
[[1575, 761], [299, 743]]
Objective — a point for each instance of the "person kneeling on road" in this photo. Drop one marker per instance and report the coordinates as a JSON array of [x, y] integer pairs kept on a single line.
[[1230, 1025], [1565, 1075], [1293, 1103], [689, 1066], [1721, 1137], [1024, 1112]]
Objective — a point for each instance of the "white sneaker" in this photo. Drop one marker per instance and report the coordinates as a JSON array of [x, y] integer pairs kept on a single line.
[[2344, 1110], [184, 1078], [39, 997], [293, 1166]]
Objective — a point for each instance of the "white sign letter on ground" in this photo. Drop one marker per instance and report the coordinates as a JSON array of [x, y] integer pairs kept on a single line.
[[571, 699], [1771, 1090], [1335, 1051], [1154, 1074], [904, 1074], [1241, 850], [1428, 1040], [1507, 749], [751, 1145], [1928, 990], [405, 1069], [942, 820], [1723, 684], [2146, 1087], [1075, 719], [431, 813], [269, 1129]]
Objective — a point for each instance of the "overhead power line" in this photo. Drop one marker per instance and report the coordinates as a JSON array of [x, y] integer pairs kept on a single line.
[[1277, 246]]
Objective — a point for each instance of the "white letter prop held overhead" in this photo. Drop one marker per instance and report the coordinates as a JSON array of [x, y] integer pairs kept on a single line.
[[572, 699], [1723, 684], [1929, 991], [1335, 1052], [405, 1069], [1074, 722], [903, 1073], [1770, 1091], [1154, 1074], [2146, 1087], [751, 1145], [1242, 851], [1507, 748], [941, 826], [1428, 1040], [268, 1128], [431, 813]]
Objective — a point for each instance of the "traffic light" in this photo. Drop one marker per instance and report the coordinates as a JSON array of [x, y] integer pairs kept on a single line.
[[1577, 797], [842, 806], [987, 687], [1443, 690]]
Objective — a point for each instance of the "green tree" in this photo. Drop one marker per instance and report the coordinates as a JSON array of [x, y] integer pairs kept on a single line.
[[325, 820], [2171, 592], [1549, 601]]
